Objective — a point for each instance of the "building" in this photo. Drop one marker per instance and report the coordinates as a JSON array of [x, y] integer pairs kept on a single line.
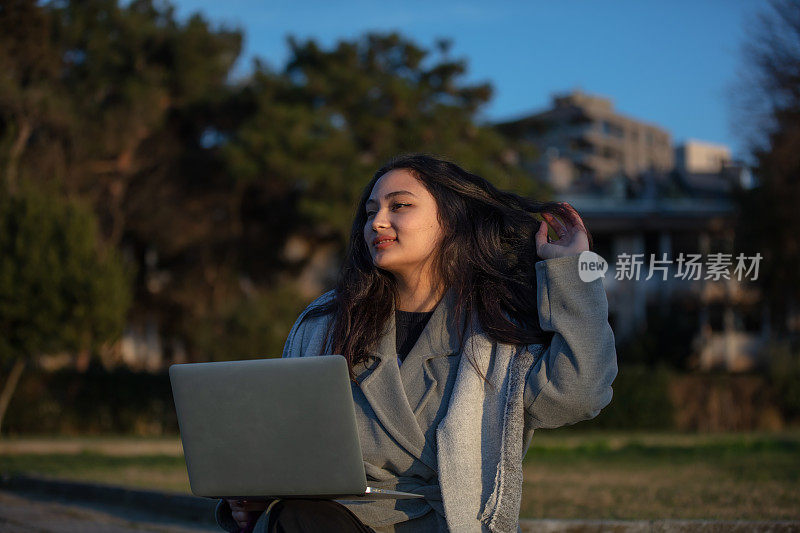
[[641, 197], [706, 170], [584, 144], [729, 331], [701, 157]]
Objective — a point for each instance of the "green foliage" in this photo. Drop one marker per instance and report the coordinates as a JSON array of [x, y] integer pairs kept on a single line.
[[327, 123], [770, 219], [251, 328], [202, 181], [94, 402], [119, 401], [59, 291], [783, 370], [640, 400], [667, 337]]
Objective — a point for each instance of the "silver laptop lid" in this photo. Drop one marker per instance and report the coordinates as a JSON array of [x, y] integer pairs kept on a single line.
[[269, 427]]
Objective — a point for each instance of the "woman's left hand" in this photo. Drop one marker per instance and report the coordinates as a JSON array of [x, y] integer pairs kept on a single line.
[[572, 236], [246, 513]]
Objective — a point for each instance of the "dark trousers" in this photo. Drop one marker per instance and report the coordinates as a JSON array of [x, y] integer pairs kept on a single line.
[[306, 516]]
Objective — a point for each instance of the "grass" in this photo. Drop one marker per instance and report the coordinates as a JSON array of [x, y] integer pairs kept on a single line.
[[153, 472], [650, 476], [568, 473]]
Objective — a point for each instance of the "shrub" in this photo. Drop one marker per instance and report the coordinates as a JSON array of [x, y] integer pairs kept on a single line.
[[640, 400], [783, 372]]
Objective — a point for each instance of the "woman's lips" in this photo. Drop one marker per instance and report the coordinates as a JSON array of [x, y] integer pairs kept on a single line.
[[384, 244]]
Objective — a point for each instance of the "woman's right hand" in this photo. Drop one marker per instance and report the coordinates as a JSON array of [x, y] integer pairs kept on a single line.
[[572, 235], [246, 512]]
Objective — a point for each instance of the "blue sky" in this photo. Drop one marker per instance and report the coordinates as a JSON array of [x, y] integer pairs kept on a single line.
[[672, 63]]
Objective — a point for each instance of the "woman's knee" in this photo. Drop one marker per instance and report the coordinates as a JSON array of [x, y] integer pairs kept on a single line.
[[293, 515], [296, 516]]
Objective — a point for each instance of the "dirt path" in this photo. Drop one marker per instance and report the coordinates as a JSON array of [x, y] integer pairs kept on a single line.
[[25, 513]]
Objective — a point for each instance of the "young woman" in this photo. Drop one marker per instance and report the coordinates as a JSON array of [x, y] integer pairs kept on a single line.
[[465, 328]]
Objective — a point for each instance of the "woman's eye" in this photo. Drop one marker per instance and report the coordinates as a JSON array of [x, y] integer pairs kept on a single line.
[[394, 207]]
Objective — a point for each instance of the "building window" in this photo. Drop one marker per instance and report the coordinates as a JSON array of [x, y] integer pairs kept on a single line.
[[685, 242], [651, 244], [603, 246], [610, 129]]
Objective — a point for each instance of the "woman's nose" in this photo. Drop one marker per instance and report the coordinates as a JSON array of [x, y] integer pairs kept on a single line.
[[380, 220]]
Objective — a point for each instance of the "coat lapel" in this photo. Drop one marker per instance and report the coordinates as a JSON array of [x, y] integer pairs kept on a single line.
[[439, 338], [383, 384], [384, 391]]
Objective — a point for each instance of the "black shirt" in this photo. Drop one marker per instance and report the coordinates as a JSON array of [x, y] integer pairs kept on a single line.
[[409, 326]]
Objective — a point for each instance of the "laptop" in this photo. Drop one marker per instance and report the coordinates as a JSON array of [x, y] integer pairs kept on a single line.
[[272, 428]]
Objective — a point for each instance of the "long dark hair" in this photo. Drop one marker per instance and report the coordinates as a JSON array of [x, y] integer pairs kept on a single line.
[[487, 257]]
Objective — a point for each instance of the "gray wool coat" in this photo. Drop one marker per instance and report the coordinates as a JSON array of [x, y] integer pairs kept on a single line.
[[488, 424]]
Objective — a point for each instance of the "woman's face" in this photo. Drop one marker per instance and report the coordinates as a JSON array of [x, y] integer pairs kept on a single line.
[[401, 212]]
